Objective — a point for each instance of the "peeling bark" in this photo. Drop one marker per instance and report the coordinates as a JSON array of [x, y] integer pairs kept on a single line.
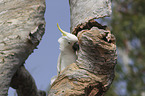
[[21, 29]]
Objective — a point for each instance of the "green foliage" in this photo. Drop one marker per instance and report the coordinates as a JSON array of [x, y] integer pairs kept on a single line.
[[128, 26]]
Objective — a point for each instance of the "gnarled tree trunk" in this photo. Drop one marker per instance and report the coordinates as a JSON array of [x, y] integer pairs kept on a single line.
[[93, 71]]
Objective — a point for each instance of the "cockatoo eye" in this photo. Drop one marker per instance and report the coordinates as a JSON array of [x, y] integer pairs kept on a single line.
[[69, 42]]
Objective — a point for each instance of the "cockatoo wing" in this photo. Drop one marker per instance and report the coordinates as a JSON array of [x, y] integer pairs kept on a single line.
[[59, 64]]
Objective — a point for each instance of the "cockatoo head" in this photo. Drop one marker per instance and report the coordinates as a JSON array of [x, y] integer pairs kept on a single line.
[[67, 39]]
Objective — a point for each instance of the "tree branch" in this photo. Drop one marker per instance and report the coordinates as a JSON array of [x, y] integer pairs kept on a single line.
[[21, 29], [24, 84], [82, 11]]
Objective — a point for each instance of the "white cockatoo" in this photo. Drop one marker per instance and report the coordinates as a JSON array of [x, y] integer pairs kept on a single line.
[[67, 55]]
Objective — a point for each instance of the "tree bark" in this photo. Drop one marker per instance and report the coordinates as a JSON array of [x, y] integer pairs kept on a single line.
[[82, 11], [93, 71], [21, 29]]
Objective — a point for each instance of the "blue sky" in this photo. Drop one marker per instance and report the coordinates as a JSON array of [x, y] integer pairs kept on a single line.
[[42, 63]]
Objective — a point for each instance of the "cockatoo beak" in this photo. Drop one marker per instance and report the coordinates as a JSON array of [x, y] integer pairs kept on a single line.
[[63, 32]]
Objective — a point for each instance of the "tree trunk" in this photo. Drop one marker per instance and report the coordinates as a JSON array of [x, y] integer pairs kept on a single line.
[[21, 29], [93, 71]]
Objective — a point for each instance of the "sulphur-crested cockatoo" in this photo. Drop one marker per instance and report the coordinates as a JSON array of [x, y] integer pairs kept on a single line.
[[67, 55]]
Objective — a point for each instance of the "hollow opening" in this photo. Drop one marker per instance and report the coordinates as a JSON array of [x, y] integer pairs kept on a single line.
[[88, 25]]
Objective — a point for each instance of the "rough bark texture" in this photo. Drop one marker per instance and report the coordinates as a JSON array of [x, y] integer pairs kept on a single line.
[[82, 11], [93, 72], [21, 29]]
